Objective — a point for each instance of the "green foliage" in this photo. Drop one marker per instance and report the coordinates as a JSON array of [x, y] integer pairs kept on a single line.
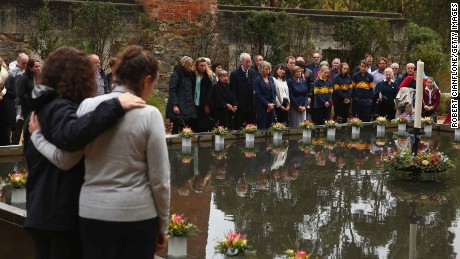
[[149, 28], [99, 25], [202, 37], [362, 35], [310, 4], [274, 35], [158, 100], [425, 44], [43, 39], [445, 102]]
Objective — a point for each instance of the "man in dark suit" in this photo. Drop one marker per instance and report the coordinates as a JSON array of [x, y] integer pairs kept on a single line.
[[241, 80], [314, 66]]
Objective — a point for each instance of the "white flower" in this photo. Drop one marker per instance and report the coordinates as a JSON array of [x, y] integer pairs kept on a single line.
[[425, 162]]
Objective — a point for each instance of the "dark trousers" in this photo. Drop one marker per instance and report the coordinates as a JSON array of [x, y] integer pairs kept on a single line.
[[16, 135], [56, 244], [322, 114], [264, 119], [362, 109], [113, 240], [5, 134], [385, 110], [178, 125], [282, 116], [341, 111], [243, 117]]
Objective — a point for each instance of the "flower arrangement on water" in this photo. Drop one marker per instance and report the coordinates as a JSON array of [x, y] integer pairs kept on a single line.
[[427, 121], [186, 133], [306, 148], [185, 158], [219, 155], [356, 122], [423, 162], [17, 180], [307, 125], [249, 129], [179, 227], [402, 119], [249, 152], [299, 254], [232, 245], [456, 145], [278, 127], [220, 131], [279, 149], [380, 141], [330, 124], [381, 120]]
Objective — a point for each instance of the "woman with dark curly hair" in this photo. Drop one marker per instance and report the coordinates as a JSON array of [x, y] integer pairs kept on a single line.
[[53, 192], [132, 220]]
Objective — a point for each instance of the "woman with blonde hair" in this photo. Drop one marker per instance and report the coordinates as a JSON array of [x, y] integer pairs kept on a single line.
[[202, 95], [180, 108]]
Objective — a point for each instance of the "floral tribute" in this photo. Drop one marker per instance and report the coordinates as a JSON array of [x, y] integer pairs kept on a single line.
[[219, 155], [356, 122], [17, 180], [381, 120], [278, 127], [233, 244], [402, 119], [220, 131], [249, 129], [179, 227], [186, 133], [185, 158], [299, 254], [427, 121], [423, 162], [330, 124], [307, 125], [249, 152]]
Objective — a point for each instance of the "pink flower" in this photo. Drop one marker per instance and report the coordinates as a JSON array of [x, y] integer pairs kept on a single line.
[[300, 254], [177, 219]]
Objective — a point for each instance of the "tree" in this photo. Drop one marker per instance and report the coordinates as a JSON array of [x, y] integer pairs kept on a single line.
[[362, 35], [99, 26], [43, 39], [425, 44]]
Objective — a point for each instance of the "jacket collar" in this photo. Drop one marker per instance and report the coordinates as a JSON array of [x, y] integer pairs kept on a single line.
[[122, 89]]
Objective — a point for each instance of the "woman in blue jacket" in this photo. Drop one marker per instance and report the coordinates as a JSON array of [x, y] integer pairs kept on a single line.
[[298, 95], [265, 95]]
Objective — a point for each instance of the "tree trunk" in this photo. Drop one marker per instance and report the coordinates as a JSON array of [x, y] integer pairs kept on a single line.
[[272, 3], [351, 5]]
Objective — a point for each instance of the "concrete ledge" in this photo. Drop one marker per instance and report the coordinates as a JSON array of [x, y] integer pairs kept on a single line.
[[316, 12]]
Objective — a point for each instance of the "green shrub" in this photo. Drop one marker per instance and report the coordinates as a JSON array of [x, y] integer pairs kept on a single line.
[[445, 102], [158, 99]]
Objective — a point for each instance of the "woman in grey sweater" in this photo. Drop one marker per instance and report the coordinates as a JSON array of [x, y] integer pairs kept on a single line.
[[124, 201]]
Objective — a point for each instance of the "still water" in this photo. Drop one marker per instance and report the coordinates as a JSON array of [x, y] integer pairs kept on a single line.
[[334, 199]]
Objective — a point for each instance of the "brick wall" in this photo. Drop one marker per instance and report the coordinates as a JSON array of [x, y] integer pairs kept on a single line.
[[178, 10]]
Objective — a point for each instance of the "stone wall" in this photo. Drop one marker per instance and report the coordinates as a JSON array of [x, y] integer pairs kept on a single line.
[[322, 29], [18, 17]]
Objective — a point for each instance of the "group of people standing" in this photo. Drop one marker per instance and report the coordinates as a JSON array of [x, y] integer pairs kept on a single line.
[[20, 78], [291, 92], [98, 181]]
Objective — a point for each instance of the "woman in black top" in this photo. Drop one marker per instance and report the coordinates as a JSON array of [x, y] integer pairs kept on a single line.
[[223, 107]]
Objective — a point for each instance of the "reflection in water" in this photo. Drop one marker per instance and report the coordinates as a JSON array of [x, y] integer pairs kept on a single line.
[[334, 199]]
